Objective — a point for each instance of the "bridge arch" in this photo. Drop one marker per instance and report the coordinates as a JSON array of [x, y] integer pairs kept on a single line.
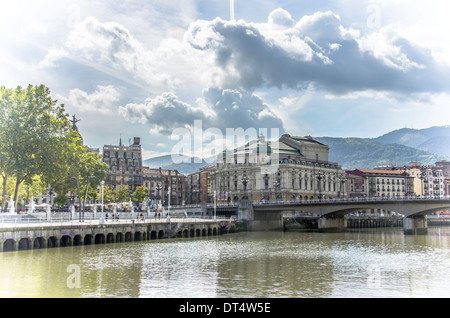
[[138, 236], [128, 237], [24, 244], [100, 238], [38, 243], [77, 240], [9, 245], [110, 238], [52, 241], [65, 240], [331, 212], [87, 239]]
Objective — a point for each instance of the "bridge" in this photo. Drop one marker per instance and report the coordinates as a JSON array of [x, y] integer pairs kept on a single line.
[[34, 233], [269, 216]]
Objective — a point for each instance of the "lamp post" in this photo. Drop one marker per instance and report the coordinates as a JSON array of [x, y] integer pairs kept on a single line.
[[319, 181], [85, 195], [277, 187], [405, 191], [79, 198], [168, 206], [422, 176], [102, 183], [215, 205], [342, 187], [244, 182]]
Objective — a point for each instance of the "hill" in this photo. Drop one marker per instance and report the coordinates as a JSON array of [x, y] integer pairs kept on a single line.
[[364, 153], [189, 164], [434, 139], [399, 147]]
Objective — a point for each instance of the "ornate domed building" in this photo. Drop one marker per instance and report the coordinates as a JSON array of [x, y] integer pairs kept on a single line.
[[289, 169]]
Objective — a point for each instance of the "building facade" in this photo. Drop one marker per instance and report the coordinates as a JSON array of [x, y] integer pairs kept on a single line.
[[162, 184], [379, 183], [433, 183], [445, 166], [125, 164], [198, 186], [429, 181], [289, 169]]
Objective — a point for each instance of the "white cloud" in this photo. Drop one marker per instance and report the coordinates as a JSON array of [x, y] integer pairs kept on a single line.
[[227, 73], [281, 18], [217, 108], [317, 50], [101, 101]]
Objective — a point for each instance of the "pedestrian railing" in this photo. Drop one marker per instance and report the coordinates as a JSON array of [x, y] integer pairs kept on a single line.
[[24, 222]]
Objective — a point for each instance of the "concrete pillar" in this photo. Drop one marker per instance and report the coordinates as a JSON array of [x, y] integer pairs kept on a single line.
[[331, 224], [415, 225], [267, 221], [245, 210]]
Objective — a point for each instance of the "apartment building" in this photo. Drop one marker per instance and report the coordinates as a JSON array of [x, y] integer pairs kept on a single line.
[[125, 164], [379, 183], [164, 183]]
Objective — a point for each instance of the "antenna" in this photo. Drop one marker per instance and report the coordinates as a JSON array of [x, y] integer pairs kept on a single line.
[[232, 10]]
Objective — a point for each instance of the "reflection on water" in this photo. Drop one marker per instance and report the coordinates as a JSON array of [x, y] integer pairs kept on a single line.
[[360, 263]]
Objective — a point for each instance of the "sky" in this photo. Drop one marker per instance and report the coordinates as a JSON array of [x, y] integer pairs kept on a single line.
[[156, 69]]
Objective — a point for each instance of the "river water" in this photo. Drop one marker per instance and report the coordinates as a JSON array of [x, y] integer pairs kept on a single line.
[[358, 263]]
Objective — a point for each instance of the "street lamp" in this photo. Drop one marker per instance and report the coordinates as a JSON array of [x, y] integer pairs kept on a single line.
[[342, 187], [244, 182], [168, 206], [85, 194], [277, 190], [158, 197], [102, 183], [79, 199], [215, 205], [319, 181]]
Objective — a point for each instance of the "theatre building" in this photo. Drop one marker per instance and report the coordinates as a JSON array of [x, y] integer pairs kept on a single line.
[[302, 171]]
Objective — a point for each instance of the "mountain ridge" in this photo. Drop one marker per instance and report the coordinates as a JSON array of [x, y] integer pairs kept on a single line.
[[398, 147]]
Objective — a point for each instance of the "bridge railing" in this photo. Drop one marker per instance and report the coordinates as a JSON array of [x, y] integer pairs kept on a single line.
[[357, 199], [37, 222]]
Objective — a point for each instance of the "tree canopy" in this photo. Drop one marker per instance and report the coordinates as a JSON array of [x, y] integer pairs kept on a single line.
[[37, 139]]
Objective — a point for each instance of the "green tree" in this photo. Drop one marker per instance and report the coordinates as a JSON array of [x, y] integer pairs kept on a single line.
[[37, 139], [6, 168], [140, 193], [33, 128], [122, 193]]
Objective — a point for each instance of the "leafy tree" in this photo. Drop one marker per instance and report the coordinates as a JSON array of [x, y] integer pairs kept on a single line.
[[32, 127], [61, 199], [140, 193], [122, 193], [37, 139]]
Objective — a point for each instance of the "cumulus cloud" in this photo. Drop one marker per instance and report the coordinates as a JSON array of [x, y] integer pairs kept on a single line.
[[217, 108], [317, 50], [166, 112], [110, 47], [281, 18], [218, 65], [101, 101]]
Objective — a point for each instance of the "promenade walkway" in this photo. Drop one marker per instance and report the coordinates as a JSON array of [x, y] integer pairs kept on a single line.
[[33, 222]]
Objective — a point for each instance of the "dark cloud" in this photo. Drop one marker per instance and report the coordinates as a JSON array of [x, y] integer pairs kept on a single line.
[[240, 109], [318, 50], [217, 108], [165, 112]]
